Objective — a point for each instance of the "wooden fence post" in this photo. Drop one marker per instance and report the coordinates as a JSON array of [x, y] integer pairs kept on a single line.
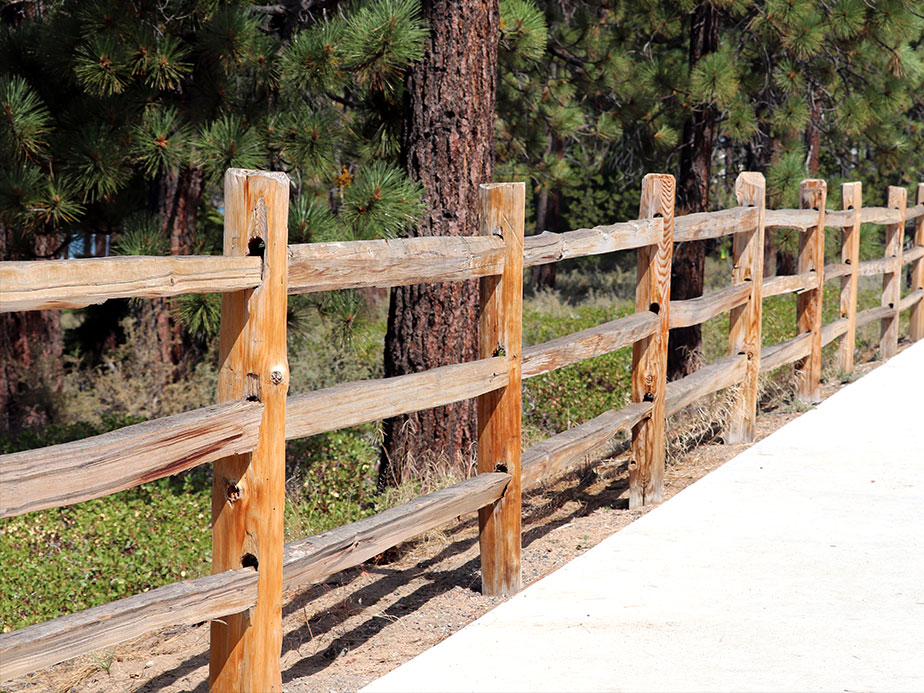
[[649, 355], [917, 274], [503, 209], [745, 321], [248, 492], [852, 198], [892, 281], [812, 195]]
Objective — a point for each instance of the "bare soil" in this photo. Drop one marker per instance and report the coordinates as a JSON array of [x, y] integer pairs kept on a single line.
[[359, 624]]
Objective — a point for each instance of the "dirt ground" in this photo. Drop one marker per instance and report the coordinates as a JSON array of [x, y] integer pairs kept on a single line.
[[359, 624]]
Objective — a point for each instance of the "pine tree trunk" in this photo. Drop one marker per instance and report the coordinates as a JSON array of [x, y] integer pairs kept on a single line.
[[685, 344], [548, 218], [448, 145], [30, 351]]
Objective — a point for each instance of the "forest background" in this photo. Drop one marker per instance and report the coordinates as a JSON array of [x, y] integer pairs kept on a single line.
[[118, 120]]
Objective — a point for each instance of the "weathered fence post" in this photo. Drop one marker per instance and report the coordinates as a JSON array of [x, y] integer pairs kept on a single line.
[[649, 355], [248, 492], [917, 274], [745, 321], [852, 198], [503, 209], [812, 195], [892, 280]]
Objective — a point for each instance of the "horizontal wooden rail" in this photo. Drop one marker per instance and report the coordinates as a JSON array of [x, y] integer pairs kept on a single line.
[[833, 330], [98, 466], [698, 310], [370, 400], [552, 456], [798, 347], [840, 218], [48, 284], [791, 218], [594, 341], [870, 268], [915, 253], [392, 262], [837, 269], [182, 603], [314, 558], [718, 375], [695, 227], [880, 215], [911, 299], [787, 283], [549, 247], [872, 314], [914, 212]]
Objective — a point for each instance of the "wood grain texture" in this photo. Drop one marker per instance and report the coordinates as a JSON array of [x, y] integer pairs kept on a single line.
[[843, 217], [702, 225], [94, 467], [777, 355], [744, 327], [549, 247], [314, 558], [837, 269], [916, 319], [916, 212], [812, 194], [864, 317], [694, 311], [833, 330], [791, 219], [182, 603], [50, 284], [586, 344], [882, 215], [892, 277], [248, 491], [852, 201], [912, 255], [788, 283], [649, 354], [370, 400], [392, 262], [718, 375], [912, 300], [503, 210], [552, 456], [882, 265]]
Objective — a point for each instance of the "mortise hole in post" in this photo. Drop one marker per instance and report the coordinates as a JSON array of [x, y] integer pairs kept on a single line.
[[649, 397], [502, 468], [891, 305], [232, 492], [654, 308], [256, 247], [248, 560]]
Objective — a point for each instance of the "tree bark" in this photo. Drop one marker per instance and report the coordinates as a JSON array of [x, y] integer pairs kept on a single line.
[[448, 145], [30, 350], [685, 344]]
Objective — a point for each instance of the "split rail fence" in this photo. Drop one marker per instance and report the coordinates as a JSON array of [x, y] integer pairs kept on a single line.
[[244, 434]]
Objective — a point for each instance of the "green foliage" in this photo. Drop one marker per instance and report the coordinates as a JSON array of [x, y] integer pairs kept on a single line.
[[161, 142], [714, 79], [24, 119], [141, 236], [200, 314], [523, 31], [381, 202], [228, 143]]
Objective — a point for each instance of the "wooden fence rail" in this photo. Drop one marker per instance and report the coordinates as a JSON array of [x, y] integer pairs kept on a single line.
[[244, 434]]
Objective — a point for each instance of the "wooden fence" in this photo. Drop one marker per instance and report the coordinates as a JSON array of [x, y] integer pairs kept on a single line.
[[244, 434]]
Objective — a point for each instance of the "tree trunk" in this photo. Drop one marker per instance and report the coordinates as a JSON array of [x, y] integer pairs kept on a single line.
[[448, 145], [685, 344], [548, 218], [30, 351]]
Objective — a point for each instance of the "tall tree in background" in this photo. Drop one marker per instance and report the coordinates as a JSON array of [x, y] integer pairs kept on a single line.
[[448, 145]]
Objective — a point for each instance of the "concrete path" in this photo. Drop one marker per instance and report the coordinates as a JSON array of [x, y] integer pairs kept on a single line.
[[797, 566]]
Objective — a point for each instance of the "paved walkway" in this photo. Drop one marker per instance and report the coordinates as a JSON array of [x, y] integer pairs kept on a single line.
[[797, 566]]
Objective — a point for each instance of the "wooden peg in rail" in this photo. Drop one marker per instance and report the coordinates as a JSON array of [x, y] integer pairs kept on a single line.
[[248, 492], [649, 354], [745, 321], [503, 209], [812, 195], [851, 198], [892, 278]]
